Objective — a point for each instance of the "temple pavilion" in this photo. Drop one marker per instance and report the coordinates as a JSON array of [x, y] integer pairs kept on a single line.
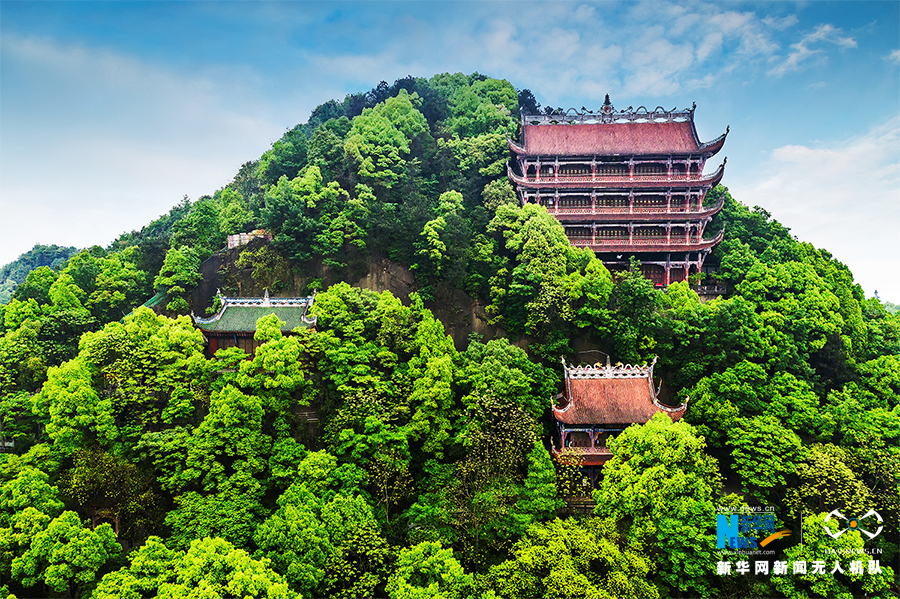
[[623, 183], [599, 402], [234, 325]]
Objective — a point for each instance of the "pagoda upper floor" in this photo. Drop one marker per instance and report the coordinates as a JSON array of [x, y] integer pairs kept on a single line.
[[622, 175]]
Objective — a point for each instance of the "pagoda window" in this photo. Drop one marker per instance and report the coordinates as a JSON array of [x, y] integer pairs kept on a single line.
[[650, 169], [612, 169], [579, 439]]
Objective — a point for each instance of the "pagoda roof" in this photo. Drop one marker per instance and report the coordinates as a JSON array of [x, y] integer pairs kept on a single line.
[[608, 132], [239, 315], [611, 395]]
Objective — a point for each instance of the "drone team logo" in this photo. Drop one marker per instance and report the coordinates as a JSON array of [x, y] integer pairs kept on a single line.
[[853, 524]]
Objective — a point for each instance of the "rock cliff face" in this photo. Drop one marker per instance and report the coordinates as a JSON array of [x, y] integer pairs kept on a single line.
[[460, 314]]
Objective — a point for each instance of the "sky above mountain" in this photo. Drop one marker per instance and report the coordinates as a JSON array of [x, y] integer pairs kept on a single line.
[[111, 112]]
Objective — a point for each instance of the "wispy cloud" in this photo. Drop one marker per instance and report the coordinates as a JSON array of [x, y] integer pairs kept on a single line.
[[781, 23], [803, 53], [893, 56]]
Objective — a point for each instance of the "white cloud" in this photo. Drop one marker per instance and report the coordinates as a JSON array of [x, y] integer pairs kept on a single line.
[[843, 197], [781, 24], [103, 142], [802, 53], [894, 56]]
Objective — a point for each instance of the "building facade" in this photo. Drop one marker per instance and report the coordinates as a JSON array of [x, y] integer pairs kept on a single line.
[[624, 183], [599, 402], [234, 325]]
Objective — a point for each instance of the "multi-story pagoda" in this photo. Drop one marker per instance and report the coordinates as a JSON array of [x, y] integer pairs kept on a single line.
[[599, 402], [623, 183]]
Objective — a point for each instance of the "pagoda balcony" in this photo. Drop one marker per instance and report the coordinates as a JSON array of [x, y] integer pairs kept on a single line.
[[648, 243], [594, 180], [633, 213], [590, 456]]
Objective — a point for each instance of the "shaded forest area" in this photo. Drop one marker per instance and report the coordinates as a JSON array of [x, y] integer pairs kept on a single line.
[[134, 466]]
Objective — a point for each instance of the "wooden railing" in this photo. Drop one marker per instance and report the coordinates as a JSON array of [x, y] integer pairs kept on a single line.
[[649, 240], [576, 506], [600, 178], [601, 210], [710, 289]]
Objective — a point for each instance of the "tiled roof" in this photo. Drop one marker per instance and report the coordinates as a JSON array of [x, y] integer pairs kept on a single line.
[[243, 318], [239, 315], [611, 139], [611, 395]]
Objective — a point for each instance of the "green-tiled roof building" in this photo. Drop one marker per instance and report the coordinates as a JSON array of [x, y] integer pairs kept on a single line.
[[234, 325]]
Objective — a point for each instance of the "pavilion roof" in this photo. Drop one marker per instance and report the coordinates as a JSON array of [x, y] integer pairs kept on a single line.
[[611, 395], [239, 315]]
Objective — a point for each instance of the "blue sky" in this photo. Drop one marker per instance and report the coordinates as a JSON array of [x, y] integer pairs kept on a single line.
[[111, 112]]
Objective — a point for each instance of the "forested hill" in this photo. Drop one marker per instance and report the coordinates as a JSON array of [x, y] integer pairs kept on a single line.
[[370, 457]]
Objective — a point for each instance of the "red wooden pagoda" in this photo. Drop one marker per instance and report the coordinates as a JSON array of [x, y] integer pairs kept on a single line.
[[599, 402], [623, 183]]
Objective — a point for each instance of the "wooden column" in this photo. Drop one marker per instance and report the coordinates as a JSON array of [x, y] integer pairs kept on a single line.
[[631, 169], [630, 233], [593, 202], [668, 269]]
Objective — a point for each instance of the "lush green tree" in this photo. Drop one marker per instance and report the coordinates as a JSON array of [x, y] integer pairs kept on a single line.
[[764, 455], [30, 488], [295, 540], [67, 556], [178, 276], [379, 140], [77, 414], [294, 211], [506, 371], [214, 569], [286, 158], [36, 285], [358, 565], [661, 483], [200, 229], [827, 480], [427, 571], [571, 559], [151, 565]]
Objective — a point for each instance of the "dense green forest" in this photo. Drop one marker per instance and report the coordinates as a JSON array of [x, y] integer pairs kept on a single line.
[[133, 466]]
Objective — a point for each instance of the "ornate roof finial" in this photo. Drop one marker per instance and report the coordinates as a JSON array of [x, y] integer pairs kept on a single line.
[[606, 102]]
